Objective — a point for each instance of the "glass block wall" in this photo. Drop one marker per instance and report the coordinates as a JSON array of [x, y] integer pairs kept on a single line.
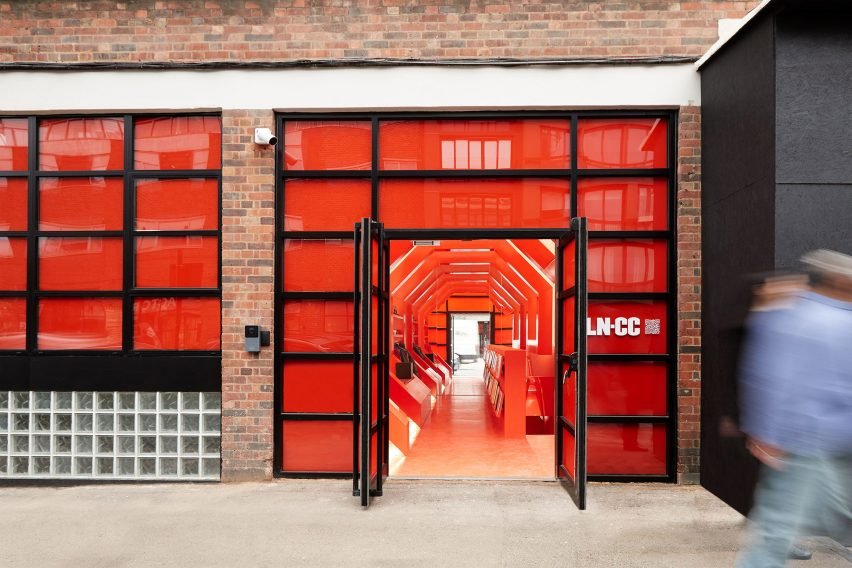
[[110, 435]]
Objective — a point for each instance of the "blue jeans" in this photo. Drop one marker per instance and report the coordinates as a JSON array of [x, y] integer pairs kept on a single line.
[[808, 496]]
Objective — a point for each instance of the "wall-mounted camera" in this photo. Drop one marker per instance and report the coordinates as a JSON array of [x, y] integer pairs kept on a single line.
[[264, 137]]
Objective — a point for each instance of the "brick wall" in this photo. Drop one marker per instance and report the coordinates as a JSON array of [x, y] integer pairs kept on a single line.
[[270, 30], [689, 293], [248, 258]]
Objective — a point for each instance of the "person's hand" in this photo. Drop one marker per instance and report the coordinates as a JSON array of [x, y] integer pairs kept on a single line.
[[768, 455]]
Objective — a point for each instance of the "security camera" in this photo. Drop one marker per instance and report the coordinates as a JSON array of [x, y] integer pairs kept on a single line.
[[264, 137]]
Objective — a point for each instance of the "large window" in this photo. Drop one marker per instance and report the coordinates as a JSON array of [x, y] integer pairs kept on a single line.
[[109, 234]]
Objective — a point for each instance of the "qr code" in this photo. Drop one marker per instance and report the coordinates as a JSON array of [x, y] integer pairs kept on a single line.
[[652, 327]]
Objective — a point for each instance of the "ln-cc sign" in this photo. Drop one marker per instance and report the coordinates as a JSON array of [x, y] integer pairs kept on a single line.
[[622, 326]]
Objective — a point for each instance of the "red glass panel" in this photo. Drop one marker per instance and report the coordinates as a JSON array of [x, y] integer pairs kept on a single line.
[[319, 266], [568, 325], [177, 204], [177, 262], [81, 144], [569, 265], [328, 145], [80, 263], [474, 144], [627, 388], [14, 144], [176, 323], [13, 204], [634, 265], [467, 203], [13, 323], [318, 325], [626, 204], [374, 391], [636, 326], [79, 323], [306, 204], [79, 204], [13, 264], [568, 443], [622, 143], [318, 386], [569, 394], [317, 446], [178, 143], [638, 449]]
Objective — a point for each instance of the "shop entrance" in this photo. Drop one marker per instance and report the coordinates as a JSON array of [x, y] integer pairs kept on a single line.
[[470, 356]]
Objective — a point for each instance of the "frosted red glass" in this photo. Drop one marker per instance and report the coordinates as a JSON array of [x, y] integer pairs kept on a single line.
[[317, 445], [13, 204], [318, 325], [14, 144], [650, 325], [80, 263], [178, 143], [474, 144], [624, 204], [627, 265], [177, 204], [79, 323], [13, 323], [327, 145], [13, 263], [627, 388], [622, 143], [80, 204], [318, 386], [177, 262], [319, 265], [176, 324], [81, 144], [474, 203], [637, 449], [306, 204]]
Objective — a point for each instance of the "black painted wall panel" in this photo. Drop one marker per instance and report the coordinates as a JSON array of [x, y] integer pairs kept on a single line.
[[809, 217]]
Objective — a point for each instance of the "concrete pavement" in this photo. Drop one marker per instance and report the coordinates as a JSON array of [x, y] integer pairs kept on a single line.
[[417, 523]]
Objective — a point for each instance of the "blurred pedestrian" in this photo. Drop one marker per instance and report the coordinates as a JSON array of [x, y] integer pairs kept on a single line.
[[796, 389]]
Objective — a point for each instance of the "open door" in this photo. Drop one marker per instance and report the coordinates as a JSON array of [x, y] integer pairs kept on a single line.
[[372, 300], [571, 359]]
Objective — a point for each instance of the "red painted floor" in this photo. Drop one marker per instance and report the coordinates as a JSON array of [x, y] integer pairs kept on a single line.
[[463, 438]]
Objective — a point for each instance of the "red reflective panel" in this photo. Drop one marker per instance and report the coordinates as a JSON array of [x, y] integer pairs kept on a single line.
[[80, 263], [318, 386], [13, 204], [13, 323], [568, 443], [178, 143], [176, 323], [638, 449], [568, 325], [329, 145], [13, 263], [474, 144], [627, 388], [569, 394], [306, 204], [177, 262], [317, 446], [569, 266], [79, 323], [177, 204], [318, 325], [14, 144], [79, 204], [625, 204], [628, 265], [622, 143], [319, 266], [634, 326], [466, 203], [81, 144]]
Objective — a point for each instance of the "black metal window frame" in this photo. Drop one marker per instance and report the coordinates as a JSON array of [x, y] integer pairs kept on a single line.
[[120, 369], [573, 174]]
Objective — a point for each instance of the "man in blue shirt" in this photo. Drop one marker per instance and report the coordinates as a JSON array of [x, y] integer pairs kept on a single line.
[[796, 376]]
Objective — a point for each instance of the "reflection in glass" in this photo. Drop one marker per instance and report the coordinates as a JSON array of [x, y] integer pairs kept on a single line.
[[625, 388], [625, 204], [177, 262], [13, 263], [177, 204], [622, 143], [302, 257], [635, 265], [13, 204], [317, 446], [306, 204], [81, 144], [13, 323], [80, 263], [321, 325], [327, 145], [638, 449], [13, 144], [78, 204], [79, 323], [176, 323], [178, 143]]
